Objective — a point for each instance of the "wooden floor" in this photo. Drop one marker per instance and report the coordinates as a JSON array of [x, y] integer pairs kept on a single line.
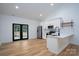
[[35, 47], [70, 50]]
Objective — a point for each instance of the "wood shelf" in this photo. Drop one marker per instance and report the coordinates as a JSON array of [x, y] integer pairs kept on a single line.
[[67, 24]]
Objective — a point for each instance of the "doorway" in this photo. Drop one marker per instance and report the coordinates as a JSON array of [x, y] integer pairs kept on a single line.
[[20, 32]]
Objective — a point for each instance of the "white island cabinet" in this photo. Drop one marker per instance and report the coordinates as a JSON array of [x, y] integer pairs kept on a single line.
[[56, 44]]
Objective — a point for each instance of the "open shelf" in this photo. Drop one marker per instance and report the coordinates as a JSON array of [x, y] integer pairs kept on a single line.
[[67, 24]]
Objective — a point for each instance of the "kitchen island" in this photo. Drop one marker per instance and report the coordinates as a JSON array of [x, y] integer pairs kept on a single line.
[[56, 44]]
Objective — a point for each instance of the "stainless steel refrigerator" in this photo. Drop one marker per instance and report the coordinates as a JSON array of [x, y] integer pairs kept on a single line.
[[39, 32]]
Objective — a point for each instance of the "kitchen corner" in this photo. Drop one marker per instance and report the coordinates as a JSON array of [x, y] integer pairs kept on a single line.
[[57, 44]]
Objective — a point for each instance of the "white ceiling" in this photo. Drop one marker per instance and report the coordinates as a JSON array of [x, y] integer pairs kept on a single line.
[[29, 10]]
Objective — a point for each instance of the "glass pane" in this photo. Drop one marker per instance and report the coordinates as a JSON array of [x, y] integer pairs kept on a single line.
[[16, 32], [24, 31]]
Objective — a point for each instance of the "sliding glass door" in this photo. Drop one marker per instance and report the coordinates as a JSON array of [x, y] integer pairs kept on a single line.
[[20, 32]]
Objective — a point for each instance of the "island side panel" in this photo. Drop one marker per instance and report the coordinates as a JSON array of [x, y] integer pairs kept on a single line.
[[52, 44]]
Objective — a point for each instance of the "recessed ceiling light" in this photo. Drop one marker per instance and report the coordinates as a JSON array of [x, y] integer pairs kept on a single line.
[[41, 15], [51, 4], [17, 7]]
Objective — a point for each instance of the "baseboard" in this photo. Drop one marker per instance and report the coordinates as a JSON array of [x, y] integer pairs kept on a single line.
[[6, 43], [74, 43], [0, 44], [33, 38]]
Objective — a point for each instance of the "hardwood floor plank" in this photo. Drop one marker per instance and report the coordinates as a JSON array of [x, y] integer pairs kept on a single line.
[[35, 47]]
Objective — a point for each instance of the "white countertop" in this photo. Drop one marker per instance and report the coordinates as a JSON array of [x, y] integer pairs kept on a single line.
[[61, 36]]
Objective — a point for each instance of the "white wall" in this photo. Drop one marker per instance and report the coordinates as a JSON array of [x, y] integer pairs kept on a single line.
[[69, 11], [6, 27]]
